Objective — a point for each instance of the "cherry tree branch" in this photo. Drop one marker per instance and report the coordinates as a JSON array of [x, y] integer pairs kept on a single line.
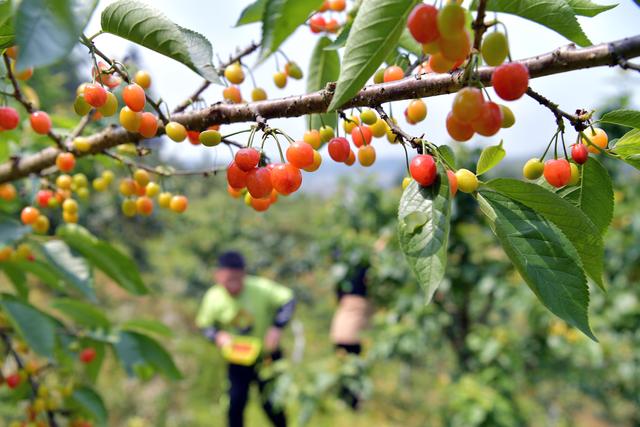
[[479, 26], [577, 121], [562, 60]]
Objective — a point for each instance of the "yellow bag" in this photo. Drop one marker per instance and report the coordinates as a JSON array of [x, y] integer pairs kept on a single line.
[[242, 350]]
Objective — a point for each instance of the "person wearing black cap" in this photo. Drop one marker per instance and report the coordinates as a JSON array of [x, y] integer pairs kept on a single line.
[[244, 316]]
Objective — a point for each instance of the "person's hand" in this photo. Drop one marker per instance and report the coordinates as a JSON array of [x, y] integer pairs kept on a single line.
[[223, 339], [272, 339]]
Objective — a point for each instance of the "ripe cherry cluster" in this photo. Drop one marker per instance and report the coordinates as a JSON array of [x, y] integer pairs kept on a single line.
[[132, 116], [561, 172], [319, 23]]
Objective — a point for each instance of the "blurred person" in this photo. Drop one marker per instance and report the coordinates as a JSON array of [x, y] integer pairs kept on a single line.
[[244, 316], [350, 318]]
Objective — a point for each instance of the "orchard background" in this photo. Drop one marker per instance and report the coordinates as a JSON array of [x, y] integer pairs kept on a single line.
[[103, 263]]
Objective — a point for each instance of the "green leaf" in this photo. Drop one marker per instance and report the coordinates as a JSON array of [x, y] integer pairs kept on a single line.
[[594, 194], [146, 326], [280, 19], [375, 33], [136, 350], [74, 270], [252, 13], [7, 32], [630, 118], [489, 158], [158, 357], [575, 224], [629, 144], [341, 40], [91, 404], [118, 266], [323, 68], [414, 221], [628, 147], [81, 313], [47, 30], [43, 271], [17, 277], [11, 230], [544, 257], [408, 43], [557, 15], [447, 155], [35, 327], [425, 243], [589, 8], [146, 26]]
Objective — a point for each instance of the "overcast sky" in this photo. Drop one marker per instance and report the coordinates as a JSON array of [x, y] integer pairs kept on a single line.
[[534, 125]]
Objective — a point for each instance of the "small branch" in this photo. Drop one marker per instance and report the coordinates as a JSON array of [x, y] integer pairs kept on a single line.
[[196, 95], [17, 94], [578, 122], [479, 27], [626, 65], [405, 137]]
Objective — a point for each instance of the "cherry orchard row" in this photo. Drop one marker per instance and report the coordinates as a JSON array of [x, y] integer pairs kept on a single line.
[[559, 61]]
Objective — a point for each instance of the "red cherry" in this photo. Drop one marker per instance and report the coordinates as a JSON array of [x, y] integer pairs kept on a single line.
[[13, 380], [194, 137], [458, 130], [393, 73], [260, 205], [490, 120], [236, 177], [510, 80], [339, 149], [579, 153], [557, 172], [133, 96], [300, 154], [453, 182], [423, 23], [317, 23], [423, 169], [40, 122], [95, 95], [43, 197], [247, 158], [259, 183], [87, 355], [286, 178], [361, 135], [148, 125], [9, 118]]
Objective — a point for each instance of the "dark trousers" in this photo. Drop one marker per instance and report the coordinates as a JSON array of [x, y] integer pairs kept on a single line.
[[240, 379], [345, 393]]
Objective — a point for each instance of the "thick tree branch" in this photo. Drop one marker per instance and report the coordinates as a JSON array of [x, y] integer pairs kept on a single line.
[[561, 60]]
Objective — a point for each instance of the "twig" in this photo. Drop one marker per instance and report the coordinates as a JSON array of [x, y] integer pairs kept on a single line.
[[578, 122], [196, 95], [17, 94], [479, 27], [628, 65]]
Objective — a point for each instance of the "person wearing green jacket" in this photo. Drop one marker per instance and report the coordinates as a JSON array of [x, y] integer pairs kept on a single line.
[[244, 316]]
